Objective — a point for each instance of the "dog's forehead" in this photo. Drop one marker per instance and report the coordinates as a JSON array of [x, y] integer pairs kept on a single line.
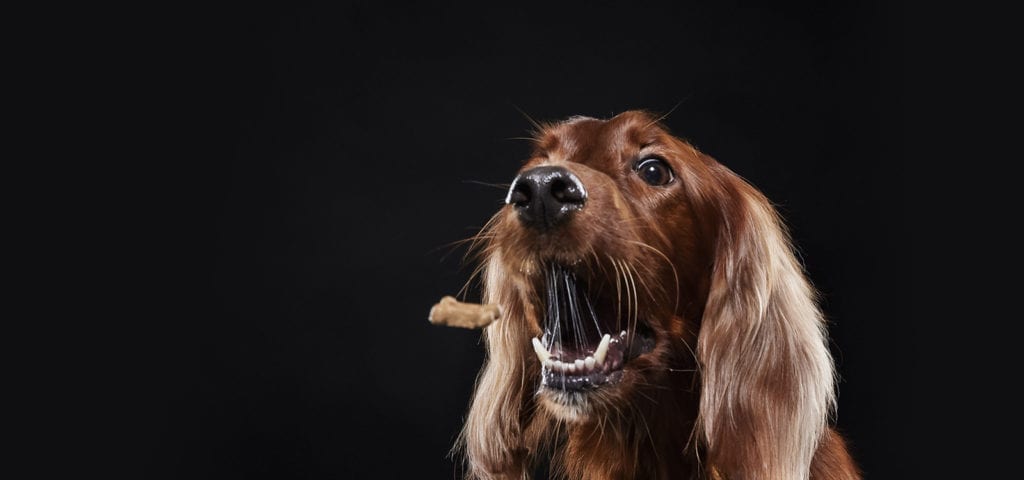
[[590, 140]]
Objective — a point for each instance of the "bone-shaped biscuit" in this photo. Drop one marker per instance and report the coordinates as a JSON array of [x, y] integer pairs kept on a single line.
[[454, 313]]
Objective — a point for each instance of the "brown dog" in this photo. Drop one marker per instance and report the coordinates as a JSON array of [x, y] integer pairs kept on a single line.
[[656, 323]]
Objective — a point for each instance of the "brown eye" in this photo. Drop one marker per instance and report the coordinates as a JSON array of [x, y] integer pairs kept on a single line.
[[654, 171]]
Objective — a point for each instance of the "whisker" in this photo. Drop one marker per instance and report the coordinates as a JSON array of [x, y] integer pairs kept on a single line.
[[553, 316], [593, 316], [485, 233], [620, 285], [635, 314], [570, 296], [643, 283], [643, 419], [451, 246], [664, 116], [476, 251], [472, 276], [693, 354], [536, 125], [675, 272], [503, 186]]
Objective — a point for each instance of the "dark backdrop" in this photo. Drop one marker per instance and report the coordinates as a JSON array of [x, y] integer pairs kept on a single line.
[[317, 165]]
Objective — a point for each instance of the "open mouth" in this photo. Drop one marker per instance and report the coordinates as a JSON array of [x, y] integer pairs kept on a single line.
[[591, 331]]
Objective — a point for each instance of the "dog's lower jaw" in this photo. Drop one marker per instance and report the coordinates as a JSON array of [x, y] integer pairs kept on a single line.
[[599, 389], [573, 406], [578, 397], [569, 407]]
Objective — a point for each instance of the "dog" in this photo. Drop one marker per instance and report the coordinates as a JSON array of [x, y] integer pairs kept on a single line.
[[656, 323]]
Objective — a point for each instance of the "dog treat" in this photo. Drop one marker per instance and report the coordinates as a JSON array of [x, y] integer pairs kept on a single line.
[[454, 313]]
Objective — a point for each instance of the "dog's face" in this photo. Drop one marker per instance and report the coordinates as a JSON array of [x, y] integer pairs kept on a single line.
[[652, 305], [600, 240]]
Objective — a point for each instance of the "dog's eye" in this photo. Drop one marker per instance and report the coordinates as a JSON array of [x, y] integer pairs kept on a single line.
[[654, 171]]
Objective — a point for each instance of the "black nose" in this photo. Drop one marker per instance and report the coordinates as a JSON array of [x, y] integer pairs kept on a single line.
[[546, 196]]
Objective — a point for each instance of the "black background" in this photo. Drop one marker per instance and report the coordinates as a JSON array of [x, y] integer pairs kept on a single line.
[[316, 165]]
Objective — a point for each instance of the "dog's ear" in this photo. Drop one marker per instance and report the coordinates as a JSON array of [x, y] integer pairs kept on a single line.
[[767, 375], [492, 434]]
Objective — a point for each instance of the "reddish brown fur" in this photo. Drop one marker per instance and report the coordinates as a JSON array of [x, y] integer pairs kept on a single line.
[[739, 384]]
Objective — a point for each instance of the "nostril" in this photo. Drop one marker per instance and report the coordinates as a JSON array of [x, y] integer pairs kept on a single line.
[[520, 195], [566, 191]]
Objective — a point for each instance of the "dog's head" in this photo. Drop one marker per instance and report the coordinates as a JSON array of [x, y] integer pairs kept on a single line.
[[640, 277], [599, 243]]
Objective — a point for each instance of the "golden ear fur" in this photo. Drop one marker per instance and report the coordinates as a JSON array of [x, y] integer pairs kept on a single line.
[[768, 378]]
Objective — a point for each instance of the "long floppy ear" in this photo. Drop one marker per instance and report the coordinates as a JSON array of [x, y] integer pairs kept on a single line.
[[492, 434], [767, 375]]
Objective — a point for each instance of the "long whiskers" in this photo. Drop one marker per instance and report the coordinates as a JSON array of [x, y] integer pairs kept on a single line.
[[476, 251], [618, 294], [668, 261], [633, 311], [502, 186]]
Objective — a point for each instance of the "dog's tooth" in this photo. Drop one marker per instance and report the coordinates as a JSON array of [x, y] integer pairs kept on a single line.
[[542, 353], [548, 364], [602, 349], [580, 364], [590, 363]]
